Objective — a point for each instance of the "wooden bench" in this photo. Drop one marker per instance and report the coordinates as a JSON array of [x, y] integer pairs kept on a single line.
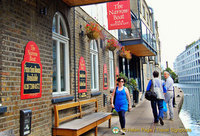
[[77, 124]]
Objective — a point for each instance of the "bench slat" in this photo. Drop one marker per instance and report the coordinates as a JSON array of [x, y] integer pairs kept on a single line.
[[69, 117], [67, 106], [83, 122]]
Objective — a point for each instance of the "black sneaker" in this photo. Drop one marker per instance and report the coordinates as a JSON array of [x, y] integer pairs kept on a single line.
[[161, 121]]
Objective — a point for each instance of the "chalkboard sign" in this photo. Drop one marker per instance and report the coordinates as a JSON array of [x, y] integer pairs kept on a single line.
[[105, 77], [82, 78], [31, 75]]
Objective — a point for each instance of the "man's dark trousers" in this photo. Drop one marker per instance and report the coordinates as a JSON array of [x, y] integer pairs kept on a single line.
[[154, 109]]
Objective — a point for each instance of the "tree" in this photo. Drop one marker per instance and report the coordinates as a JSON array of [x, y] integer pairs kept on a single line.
[[172, 74]]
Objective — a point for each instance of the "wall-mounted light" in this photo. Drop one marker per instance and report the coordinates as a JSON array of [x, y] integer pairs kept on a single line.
[[43, 11], [81, 31]]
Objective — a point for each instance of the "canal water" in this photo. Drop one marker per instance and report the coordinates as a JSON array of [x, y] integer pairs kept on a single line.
[[190, 112]]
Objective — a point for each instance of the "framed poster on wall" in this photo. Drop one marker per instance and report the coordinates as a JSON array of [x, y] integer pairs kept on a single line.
[[105, 77], [82, 78]]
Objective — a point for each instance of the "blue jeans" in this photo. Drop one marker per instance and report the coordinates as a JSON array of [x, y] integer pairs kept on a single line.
[[154, 109]]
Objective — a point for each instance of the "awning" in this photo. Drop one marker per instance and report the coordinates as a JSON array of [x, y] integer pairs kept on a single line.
[[139, 48], [85, 2]]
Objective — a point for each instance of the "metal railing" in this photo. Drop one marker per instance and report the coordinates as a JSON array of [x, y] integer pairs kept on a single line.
[[137, 32]]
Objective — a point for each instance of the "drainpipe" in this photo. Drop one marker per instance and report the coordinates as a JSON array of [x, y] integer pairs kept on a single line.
[[74, 56], [143, 79]]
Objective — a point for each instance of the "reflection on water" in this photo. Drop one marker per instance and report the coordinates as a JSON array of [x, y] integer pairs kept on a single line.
[[190, 113]]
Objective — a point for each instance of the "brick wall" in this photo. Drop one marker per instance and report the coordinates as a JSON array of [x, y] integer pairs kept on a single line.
[[83, 49], [21, 22]]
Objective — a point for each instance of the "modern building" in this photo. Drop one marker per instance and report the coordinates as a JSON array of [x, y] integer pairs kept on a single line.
[[43, 48], [187, 64]]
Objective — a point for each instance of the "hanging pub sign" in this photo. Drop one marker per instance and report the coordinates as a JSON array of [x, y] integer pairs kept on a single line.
[[119, 15], [31, 74], [105, 77], [116, 74], [82, 78]]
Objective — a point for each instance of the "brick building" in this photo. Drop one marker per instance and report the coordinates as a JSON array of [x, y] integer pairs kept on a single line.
[[56, 28]]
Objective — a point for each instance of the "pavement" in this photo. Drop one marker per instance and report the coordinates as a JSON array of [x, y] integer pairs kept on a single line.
[[139, 122]]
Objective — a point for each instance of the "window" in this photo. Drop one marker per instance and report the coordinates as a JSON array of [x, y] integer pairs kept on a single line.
[[61, 80], [111, 67], [144, 16], [94, 66], [147, 18]]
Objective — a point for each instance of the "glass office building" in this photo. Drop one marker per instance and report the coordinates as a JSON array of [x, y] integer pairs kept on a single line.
[[187, 64]]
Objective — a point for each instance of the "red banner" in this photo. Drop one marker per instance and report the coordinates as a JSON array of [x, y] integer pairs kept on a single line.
[[31, 76], [119, 15]]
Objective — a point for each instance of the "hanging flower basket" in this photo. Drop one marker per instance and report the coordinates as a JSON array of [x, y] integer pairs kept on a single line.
[[125, 53], [128, 55], [93, 31], [122, 52], [112, 44]]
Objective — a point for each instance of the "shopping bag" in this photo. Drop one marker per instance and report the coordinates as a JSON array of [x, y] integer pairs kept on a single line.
[[164, 106]]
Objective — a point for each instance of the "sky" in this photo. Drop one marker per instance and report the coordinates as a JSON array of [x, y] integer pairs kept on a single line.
[[179, 25]]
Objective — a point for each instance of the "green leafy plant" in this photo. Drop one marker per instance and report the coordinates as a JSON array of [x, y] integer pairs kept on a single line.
[[130, 84], [133, 83], [125, 77]]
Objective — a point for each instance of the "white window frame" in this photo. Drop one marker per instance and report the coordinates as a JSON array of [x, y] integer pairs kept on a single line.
[[111, 69], [94, 52], [56, 36]]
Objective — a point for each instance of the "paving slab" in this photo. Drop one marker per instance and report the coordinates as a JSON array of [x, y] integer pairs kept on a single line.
[[139, 122]]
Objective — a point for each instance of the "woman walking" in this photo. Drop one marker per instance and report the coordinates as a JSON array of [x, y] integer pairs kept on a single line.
[[120, 103]]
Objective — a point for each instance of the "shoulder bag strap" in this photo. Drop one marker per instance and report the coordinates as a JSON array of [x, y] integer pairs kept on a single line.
[[152, 85]]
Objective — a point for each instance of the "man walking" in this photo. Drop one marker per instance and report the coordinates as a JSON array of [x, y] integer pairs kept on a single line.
[[157, 86], [169, 95]]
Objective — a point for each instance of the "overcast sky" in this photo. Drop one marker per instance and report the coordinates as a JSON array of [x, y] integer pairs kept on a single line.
[[179, 25]]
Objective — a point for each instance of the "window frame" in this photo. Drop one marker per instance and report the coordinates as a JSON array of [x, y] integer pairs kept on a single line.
[[61, 39], [111, 70], [94, 52]]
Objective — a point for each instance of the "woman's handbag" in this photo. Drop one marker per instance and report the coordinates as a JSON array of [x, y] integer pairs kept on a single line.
[[151, 95]]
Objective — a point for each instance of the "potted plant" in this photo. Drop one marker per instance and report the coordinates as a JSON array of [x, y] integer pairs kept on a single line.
[[92, 30], [112, 44], [134, 86]]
